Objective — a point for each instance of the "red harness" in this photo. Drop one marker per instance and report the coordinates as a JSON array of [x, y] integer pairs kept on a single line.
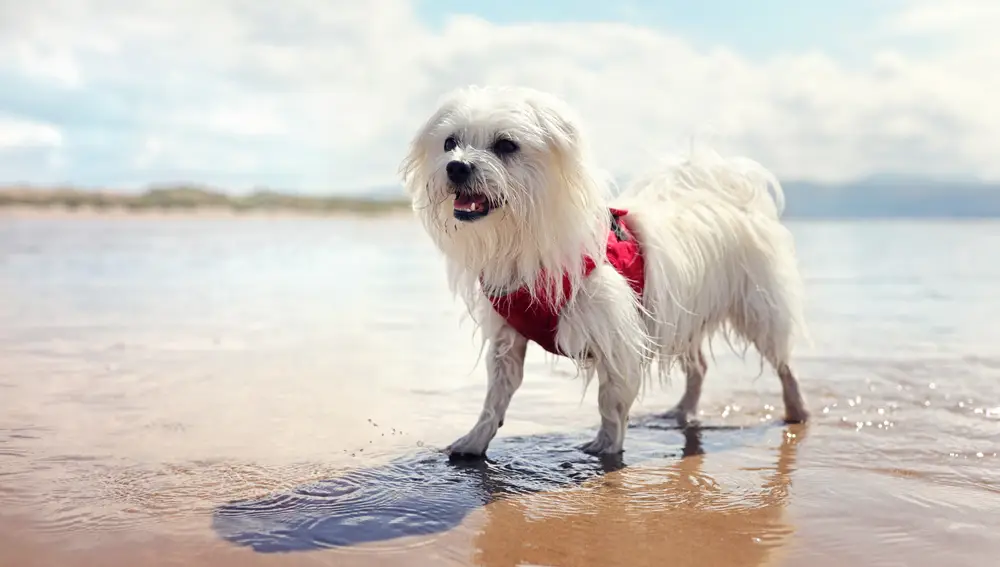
[[538, 321]]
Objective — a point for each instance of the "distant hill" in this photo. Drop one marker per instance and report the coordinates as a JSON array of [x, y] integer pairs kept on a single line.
[[891, 198]]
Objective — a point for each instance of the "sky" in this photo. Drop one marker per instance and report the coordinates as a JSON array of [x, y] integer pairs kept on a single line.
[[324, 95]]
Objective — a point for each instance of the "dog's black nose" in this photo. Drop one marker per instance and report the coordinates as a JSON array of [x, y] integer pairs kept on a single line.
[[458, 171]]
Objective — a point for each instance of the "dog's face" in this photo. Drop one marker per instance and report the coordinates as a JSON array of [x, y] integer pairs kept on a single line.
[[503, 183], [495, 152]]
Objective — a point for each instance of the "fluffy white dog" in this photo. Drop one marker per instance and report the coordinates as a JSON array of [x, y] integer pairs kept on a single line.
[[503, 182]]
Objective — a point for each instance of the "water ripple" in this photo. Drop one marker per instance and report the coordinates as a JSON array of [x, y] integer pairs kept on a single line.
[[426, 494]]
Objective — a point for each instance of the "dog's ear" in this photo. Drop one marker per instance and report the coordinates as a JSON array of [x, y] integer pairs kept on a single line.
[[411, 169], [567, 144], [573, 175], [559, 126], [408, 168]]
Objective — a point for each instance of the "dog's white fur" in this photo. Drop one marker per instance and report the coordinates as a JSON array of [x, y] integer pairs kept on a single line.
[[717, 257]]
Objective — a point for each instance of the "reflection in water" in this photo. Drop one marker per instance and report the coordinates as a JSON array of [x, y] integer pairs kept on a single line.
[[677, 515], [427, 494]]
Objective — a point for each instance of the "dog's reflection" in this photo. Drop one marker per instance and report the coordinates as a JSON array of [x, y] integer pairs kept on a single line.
[[678, 515]]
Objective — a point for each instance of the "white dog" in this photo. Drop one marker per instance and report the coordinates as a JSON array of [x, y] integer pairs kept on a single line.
[[503, 182]]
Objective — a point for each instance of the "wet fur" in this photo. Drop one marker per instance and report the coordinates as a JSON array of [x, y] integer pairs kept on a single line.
[[718, 259]]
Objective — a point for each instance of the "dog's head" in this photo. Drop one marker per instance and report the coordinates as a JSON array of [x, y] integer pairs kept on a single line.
[[501, 173]]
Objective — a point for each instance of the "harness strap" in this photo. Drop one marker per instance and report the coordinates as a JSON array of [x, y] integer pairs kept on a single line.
[[616, 227]]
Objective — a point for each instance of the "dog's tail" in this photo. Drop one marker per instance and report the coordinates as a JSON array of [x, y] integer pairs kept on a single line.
[[741, 181]]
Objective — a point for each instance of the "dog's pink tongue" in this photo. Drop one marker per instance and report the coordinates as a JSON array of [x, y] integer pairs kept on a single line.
[[470, 202]]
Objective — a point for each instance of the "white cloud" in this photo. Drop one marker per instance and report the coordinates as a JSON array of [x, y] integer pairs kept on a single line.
[[29, 150], [18, 133], [324, 94]]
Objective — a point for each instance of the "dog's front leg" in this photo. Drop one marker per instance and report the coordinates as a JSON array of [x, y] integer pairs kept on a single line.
[[616, 393], [604, 320], [505, 370]]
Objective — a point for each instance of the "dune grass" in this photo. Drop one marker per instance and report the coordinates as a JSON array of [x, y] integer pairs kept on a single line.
[[193, 198]]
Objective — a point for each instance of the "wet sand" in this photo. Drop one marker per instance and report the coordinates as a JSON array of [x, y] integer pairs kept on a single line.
[[271, 391]]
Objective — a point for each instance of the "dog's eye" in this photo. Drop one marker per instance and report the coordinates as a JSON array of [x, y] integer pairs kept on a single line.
[[503, 147], [450, 143]]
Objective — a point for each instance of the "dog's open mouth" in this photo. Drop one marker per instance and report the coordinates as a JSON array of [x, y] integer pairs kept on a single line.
[[472, 206]]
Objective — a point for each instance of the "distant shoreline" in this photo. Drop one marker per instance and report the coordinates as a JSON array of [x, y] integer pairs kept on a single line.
[[809, 204], [187, 201], [152, 214]]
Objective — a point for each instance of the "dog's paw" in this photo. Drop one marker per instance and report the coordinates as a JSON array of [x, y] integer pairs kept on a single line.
[[683, 417], [460, 458], [796, 415], [601, 445], [468, 447]]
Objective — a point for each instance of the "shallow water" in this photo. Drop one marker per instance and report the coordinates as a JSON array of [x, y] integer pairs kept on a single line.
[[271, 391]]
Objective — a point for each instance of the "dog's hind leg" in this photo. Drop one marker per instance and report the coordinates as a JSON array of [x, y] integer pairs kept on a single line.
[[505, 371], [767, 322], [795, 405], [774, 346], [686, 410]]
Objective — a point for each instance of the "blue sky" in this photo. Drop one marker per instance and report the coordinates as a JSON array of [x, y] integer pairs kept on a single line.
[[758, 28], [323, 95]]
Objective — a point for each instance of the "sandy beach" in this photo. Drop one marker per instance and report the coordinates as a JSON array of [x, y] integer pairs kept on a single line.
[[272, 390]]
